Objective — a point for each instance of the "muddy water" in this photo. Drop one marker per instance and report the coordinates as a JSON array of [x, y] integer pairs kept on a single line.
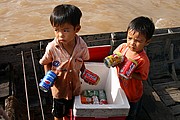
[[28, 20]]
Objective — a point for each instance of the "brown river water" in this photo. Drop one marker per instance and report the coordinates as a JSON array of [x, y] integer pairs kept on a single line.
[[28, 20]]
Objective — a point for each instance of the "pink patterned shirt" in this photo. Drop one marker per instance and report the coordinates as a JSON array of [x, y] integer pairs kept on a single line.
[[68, 82]]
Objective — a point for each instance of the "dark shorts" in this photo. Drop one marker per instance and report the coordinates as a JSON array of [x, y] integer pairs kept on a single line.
[[135, 109], [61, 107]]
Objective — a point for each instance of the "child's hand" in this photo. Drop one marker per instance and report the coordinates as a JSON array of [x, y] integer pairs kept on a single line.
[[88, 83], [122, 78]]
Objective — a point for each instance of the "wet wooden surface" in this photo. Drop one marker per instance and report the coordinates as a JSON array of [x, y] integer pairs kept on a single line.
[[161, 101]]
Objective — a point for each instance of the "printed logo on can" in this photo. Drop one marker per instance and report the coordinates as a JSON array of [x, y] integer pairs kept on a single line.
[[47, 82], [128, 69], [131, 68]]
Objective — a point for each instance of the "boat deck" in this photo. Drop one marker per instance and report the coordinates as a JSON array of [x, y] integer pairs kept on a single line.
[[161, 101]]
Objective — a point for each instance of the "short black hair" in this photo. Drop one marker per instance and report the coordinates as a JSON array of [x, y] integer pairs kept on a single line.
[[65, 13], [143, 25]]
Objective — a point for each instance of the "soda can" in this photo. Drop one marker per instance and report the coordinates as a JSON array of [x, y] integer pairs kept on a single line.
[[95, 100], [86, 100], [128, 68], [90, 93], [114, 59], [96, 92], [47, 81], [102, 97], [103, 101], [85, 93], [90, 77]]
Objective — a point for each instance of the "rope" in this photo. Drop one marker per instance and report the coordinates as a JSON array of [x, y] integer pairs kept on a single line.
[[25, 85], [37, 83]]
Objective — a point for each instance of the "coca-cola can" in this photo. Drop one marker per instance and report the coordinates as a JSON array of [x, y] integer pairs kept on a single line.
[[128, 68], [90, 77]]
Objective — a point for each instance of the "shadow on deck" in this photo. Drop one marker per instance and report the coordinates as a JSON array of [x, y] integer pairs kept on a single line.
[[161, 102]]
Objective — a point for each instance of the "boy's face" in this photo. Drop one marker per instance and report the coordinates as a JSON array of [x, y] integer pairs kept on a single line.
[[136, 41], [65, 33]]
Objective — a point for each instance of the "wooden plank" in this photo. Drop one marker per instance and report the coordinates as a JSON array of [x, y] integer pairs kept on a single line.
[[154, 106], [5, 79], [178, 117], [167, 100], [176, 109], [169, 92], [4, 89], [161, 80], [167, 85], [175, 95]]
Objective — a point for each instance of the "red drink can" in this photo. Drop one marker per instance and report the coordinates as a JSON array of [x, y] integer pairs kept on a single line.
[[128, 68], [90, 77]]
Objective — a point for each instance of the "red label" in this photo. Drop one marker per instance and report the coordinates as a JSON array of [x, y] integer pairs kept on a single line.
[[127, 69], [90, 77]]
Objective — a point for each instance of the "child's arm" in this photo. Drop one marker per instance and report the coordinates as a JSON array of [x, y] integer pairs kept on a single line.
[[83, 68], [136, 76], [47, 67]]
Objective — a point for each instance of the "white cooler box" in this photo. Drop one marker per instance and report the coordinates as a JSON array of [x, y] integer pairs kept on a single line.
[[117, 107]]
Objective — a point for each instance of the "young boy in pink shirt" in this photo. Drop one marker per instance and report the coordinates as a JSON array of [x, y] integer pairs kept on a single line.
[[65, 55], [139, 33]]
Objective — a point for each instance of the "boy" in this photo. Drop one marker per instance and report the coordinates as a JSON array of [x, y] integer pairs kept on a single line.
[[139, 33], [65, 55]]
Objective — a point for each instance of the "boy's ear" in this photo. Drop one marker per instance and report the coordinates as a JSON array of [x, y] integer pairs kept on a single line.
[[78, 28], [148, 41]]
